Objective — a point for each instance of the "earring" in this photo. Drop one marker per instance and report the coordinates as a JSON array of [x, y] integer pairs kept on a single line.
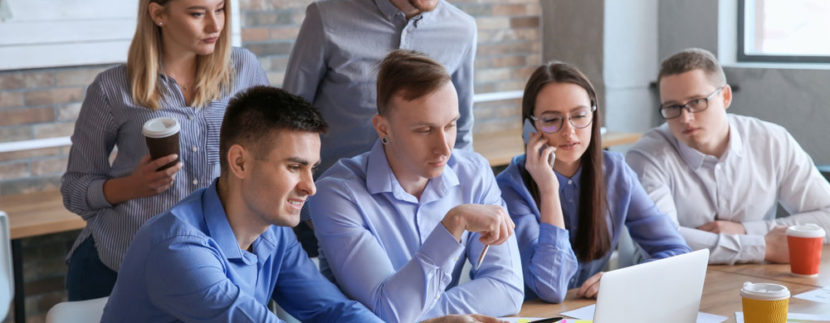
[[384, 140], [159, 23]]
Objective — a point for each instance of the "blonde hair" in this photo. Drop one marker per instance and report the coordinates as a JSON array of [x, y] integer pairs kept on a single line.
[[213, 71]]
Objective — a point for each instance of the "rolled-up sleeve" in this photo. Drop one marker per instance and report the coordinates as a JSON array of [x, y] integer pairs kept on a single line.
[[82, 186]]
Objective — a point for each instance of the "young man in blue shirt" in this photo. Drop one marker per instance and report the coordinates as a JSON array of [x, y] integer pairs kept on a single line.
[[224, 251], [397, 223]]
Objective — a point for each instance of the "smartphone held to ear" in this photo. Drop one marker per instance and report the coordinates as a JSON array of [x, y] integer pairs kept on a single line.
[[527, 129]]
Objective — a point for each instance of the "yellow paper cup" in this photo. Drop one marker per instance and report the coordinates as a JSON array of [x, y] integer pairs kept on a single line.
[[765, 303]]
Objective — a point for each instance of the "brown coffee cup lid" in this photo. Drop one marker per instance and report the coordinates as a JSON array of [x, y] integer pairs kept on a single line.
[[765, 291], [160, 127]]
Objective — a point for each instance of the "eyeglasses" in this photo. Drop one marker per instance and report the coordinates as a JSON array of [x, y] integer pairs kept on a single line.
[[551, 122], [694, 106]]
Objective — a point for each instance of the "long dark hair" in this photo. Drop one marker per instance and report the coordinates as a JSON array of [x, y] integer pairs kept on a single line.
[[593, 239]]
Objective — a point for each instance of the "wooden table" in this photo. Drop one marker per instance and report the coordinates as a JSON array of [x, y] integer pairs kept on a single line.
[[721, 291], [782, 272], [500, 147], [31, 215]]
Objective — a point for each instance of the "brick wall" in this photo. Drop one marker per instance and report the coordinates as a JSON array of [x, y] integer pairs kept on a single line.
[[44, 103]]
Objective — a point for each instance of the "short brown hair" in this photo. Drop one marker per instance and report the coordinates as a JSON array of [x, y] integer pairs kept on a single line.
[[254, 117], [410, 73], [692, 59]]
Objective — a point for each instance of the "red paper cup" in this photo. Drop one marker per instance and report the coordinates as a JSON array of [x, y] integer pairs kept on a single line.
[[805, 242]]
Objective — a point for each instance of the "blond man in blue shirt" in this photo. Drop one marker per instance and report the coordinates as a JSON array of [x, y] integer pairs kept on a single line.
[[397, 223]]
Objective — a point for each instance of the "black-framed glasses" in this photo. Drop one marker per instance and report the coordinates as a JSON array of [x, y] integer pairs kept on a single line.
[[551, 122], [672, 111]]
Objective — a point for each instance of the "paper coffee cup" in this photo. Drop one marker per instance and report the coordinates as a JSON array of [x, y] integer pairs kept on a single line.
[[765, 303], [162, 136], [805, 242]]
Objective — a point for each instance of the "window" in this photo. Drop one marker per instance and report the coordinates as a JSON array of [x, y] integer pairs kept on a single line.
[[49, 33], [783, 31]]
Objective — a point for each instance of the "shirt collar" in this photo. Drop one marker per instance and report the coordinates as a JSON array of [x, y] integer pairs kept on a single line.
[[389, 10], [380, 178], [564, 179], [221, 232], [695, 159], [217, 223]]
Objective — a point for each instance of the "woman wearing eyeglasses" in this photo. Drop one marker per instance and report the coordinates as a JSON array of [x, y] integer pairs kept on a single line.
[[568, 217]]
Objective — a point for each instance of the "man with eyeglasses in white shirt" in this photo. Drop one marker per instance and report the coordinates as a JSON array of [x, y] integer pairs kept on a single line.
[[719, 175]]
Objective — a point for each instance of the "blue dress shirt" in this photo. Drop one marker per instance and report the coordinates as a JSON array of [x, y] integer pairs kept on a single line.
[[549, 264], [186, 265], [389, 250]]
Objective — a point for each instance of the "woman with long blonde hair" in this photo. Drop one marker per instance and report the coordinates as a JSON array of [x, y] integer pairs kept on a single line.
[[180, 65]]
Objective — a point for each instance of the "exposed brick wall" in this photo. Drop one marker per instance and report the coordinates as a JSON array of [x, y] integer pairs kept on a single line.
[[44, 103]]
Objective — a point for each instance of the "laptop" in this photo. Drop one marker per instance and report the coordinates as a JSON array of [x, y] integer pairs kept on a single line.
[[665, 290]]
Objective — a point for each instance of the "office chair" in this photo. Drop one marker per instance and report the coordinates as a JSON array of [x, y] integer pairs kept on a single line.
[[77, 312], [6, 271]]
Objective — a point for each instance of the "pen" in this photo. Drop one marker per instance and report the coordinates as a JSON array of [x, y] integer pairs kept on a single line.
[[481, 258]]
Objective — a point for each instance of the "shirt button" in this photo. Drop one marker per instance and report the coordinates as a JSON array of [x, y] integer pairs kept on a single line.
[[195, 182], [190, 117], [570, 181], [195, 149]]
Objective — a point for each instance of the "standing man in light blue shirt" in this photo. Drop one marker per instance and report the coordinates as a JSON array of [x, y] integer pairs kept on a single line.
[[224, 251], [334, 61], [397, 224]]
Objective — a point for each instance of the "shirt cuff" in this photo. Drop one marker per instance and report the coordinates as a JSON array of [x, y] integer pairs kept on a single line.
[[753, 248], [553, 235], [95, 195], [758, 228], [441, 249]]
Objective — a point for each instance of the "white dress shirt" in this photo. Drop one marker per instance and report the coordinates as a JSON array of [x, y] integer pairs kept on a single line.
[[763, 165]]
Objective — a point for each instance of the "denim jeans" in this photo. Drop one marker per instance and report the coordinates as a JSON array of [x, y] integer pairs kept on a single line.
[[88, 277]]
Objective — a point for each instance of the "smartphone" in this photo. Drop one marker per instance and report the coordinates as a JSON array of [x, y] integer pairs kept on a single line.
[[527, 129]]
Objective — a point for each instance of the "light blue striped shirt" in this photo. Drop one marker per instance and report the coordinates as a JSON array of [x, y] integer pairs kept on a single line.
[[109, 118], [334, 62], [389, 250]]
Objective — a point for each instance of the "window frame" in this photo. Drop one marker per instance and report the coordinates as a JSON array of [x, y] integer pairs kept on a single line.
[[744, 57]]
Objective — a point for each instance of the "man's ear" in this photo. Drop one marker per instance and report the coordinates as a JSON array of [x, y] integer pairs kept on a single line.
[[381, 125], [239, 161], [727, 96]]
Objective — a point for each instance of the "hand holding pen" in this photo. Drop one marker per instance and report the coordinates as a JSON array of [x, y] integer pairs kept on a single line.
[[491, 221]]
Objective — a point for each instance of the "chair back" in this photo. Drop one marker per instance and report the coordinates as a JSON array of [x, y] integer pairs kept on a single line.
[[6, 269], [77, 312]]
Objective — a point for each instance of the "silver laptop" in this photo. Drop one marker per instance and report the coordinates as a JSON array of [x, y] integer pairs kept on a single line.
[[665, 290]]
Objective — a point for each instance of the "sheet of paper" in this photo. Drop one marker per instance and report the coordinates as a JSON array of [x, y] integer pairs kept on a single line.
[[582, 313], [709, 318], [519, 319], [820, 295], [587, 313], [795, 317]]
